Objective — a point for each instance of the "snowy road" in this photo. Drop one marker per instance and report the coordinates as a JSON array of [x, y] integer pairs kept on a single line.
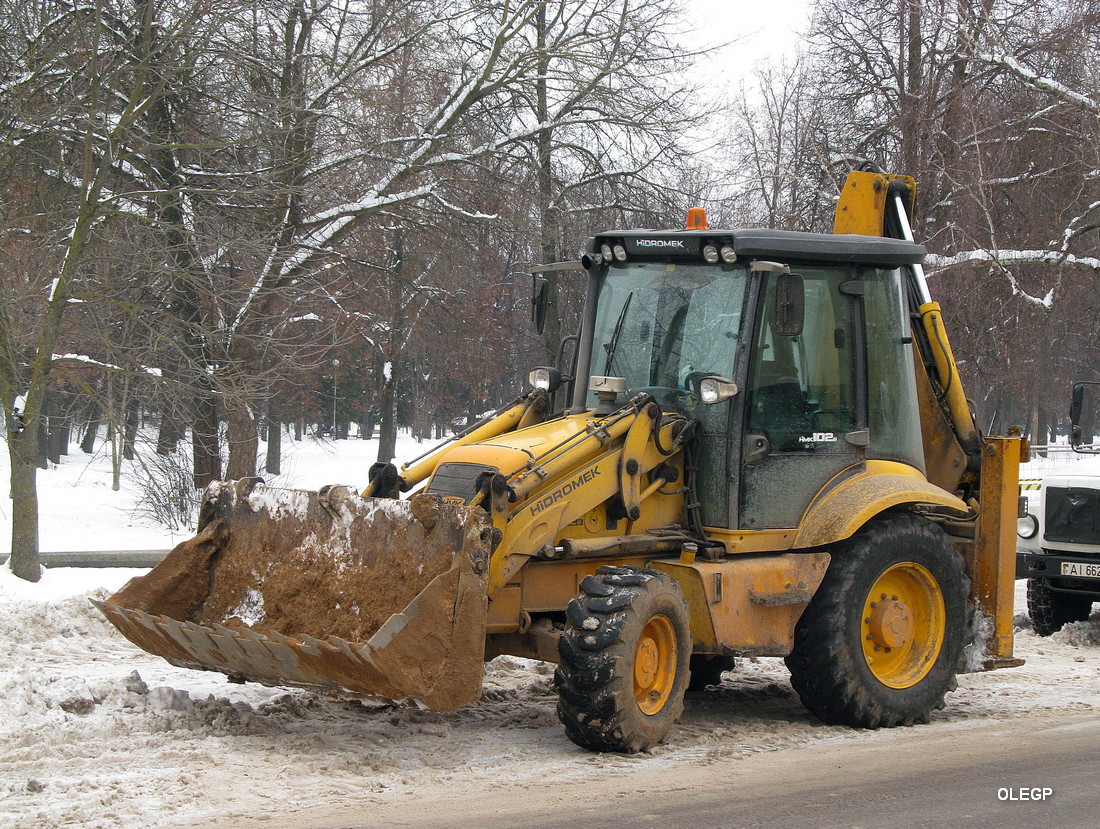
[[94, 733], [980, 775]]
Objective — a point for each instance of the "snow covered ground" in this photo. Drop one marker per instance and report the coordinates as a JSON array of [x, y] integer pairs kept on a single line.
[[96, 733], [79, 510]]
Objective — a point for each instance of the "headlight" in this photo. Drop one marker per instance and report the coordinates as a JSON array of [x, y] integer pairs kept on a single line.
[[545, 379], [716, 389], [729, 255], [710, 253], [620, 253], [605, 249], [1027, 527]]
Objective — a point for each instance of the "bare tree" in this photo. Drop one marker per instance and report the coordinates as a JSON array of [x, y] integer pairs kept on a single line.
[[609, 111], [366, 113], [991, 105], [77, 80], [782, 149]]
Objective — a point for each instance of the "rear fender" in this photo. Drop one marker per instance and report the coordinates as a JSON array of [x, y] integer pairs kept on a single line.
[[841, 510]]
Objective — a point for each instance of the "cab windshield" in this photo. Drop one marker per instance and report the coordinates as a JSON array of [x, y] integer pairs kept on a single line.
[[665, 326]]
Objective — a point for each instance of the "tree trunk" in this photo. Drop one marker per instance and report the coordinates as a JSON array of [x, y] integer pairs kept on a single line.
[[548, 213], [65, 422], [272, 464], [1045, 424], [22, 454], [131, 429], [169, 434], [387, 421], [52, 422], [91, 432], [117, 441], [42, 458], [243, 438], [422, 424], [116, 409], [204, 439], [910, 81], [53, 441]]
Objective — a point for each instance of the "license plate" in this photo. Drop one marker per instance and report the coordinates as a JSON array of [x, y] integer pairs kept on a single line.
[[1079, 570]]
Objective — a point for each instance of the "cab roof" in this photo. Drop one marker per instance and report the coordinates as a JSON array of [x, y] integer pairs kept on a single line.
[[763, 243]]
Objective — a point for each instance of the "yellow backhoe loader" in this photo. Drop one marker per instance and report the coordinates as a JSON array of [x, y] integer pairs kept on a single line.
[[766, 450]]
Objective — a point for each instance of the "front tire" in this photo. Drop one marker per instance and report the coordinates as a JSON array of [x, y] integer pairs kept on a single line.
[[879, 644], [624, 658], [1050, 610]]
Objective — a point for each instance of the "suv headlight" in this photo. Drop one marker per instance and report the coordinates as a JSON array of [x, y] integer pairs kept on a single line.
[[1028, 526]]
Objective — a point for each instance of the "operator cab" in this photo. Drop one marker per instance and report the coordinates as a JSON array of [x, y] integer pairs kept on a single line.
[[812, 332]]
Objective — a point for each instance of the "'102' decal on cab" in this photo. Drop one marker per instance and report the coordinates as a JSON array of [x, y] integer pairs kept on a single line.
[[820, 437]]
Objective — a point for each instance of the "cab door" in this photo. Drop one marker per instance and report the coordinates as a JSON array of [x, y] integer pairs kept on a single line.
[[804, 419]]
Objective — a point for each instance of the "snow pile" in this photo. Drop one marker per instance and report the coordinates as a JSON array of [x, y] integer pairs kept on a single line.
[[1079, 634], [96, 733]]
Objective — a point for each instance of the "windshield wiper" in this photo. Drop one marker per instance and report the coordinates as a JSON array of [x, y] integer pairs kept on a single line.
[[613, 343]]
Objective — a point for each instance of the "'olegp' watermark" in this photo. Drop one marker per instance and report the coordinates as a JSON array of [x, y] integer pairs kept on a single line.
[[1024, 793]]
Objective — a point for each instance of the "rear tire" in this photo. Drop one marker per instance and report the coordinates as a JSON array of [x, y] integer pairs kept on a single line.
[[879, 644], [1050, 610], [624, 657]]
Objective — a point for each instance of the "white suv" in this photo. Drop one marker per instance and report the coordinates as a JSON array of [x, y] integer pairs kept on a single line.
[[1059, 547]]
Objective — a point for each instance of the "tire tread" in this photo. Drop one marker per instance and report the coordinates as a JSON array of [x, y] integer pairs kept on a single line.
[[594, 675]]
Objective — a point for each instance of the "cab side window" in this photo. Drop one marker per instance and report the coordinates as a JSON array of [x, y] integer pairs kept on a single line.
[[801, 388]]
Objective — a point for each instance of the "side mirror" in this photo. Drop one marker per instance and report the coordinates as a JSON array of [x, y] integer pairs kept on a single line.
[[790, 304], [540, 303], [1083, 410], [1076, 400]]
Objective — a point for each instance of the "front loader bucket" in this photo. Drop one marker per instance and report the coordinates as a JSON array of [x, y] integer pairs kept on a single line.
[[363, 597]]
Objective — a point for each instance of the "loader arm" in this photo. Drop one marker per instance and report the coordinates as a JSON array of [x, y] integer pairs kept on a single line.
[[607, 462], [377, 597]]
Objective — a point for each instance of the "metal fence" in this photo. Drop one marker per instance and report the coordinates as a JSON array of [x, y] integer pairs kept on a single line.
[[1046, 459], [98, 558]]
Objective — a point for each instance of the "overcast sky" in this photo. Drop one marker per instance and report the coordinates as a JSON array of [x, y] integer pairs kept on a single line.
[[759, 28]]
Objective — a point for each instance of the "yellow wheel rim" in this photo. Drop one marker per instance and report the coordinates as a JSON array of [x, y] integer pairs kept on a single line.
[[655, 664], [904, 620]]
